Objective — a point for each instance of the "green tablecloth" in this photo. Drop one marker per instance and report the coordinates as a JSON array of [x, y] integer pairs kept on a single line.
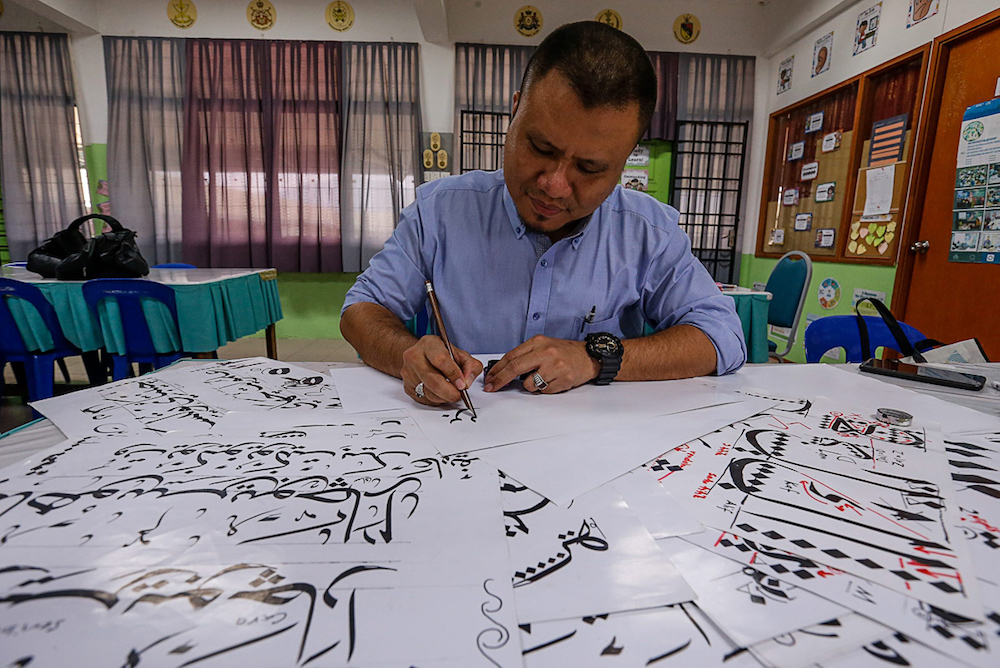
[[752, 309], [214, 306]]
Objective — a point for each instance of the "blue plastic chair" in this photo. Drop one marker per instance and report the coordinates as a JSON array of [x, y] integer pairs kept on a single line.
[[173, 265], [130, 293], [38, 373], [788, 284], [841, 331]]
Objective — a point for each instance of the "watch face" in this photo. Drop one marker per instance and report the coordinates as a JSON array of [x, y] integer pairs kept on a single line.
[[605, 344]]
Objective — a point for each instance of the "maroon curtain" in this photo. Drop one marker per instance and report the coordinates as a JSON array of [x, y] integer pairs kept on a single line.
[[665, 115], [261, 155]]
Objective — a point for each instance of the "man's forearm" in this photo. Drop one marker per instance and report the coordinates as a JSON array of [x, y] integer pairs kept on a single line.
[[681, 351], [378, 336]]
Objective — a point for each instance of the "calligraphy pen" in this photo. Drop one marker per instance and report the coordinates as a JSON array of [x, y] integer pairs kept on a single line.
[[444, 337]]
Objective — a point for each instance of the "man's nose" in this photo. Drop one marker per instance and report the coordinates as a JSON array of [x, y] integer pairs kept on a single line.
[[554, 181]]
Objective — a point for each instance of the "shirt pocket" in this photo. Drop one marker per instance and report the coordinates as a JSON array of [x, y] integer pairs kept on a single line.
[[610, 325]]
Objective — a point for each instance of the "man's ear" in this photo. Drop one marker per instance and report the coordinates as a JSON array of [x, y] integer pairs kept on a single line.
[[514, 103]]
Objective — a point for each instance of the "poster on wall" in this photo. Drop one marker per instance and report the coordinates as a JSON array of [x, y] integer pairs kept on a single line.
[[822, 54], [796, 150], [975, 224], [867, 30], [921, 10], [785, 74], [635, 179]]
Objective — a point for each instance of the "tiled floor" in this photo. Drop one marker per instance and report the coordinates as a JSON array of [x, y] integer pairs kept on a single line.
[[15, 412]]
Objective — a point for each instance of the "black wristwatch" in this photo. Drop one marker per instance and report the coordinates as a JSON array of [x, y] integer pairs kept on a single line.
[[606, 349]]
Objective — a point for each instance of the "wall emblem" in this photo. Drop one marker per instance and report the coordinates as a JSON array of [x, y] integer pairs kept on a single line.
[[339, 15], [182, 13], [687, 27], [528, 20], [261, 14], [611, 18]]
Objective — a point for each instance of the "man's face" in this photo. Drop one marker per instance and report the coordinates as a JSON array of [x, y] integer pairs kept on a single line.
[[560, 159]]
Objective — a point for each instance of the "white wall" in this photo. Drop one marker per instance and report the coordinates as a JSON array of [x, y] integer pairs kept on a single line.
[[727, 26], [894, 39]]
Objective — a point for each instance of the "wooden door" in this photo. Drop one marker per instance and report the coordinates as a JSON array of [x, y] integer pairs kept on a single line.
[[949, 301]]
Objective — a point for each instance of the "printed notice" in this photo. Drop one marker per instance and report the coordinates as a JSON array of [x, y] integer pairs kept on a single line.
[[809, 171], [879, 183]]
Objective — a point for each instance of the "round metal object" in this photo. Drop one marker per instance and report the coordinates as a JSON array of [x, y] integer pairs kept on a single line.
[[894, 417]]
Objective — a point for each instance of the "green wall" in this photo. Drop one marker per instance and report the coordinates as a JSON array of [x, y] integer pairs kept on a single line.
[[849, 276], [311, 305], [96, 156]]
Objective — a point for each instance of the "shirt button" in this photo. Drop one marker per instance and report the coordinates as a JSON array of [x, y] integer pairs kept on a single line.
[[520, 229], [545, 263], [536, 316]]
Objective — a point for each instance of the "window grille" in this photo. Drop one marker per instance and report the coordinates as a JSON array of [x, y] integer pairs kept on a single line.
[[708, 187], [482, 138]]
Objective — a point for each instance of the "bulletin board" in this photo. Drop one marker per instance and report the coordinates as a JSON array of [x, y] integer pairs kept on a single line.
[[804, 163], [797, 207]]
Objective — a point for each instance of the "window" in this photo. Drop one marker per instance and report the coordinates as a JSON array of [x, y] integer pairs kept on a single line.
[[482, 138], [708, 184]]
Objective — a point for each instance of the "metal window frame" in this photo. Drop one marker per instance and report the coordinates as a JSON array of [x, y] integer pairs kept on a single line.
[[482, 133], [706, 225]]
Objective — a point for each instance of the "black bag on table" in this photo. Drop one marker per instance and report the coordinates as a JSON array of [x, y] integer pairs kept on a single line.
[[113, 254], [44, 259]]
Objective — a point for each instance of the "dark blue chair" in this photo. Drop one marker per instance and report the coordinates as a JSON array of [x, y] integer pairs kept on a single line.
[[173, 265], [130, 293], [788, 285], [38, 373], [841, 331]]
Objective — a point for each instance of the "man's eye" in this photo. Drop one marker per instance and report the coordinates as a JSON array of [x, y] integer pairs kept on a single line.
[[540, 150], [588, 170]]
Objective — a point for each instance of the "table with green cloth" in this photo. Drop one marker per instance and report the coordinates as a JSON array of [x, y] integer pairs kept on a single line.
[[214, 307], [752, 306]]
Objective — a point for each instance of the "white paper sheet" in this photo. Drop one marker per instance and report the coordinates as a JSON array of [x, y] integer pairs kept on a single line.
[[812, 644], [655, 507], [749, 606], [514, 415], [589, 559], [878, 189], [312, 540], [562, 468], [678, 635], [855, 392], [886, 527], [966, 638]]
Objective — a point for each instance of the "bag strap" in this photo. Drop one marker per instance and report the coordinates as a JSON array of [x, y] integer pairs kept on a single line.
[[908, 349], [113, 222]]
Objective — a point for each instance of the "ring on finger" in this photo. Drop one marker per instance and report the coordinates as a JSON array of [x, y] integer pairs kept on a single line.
[[539, 381], [419, 390]]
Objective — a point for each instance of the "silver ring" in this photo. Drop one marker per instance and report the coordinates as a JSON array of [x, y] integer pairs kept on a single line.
[[539, 381], [419, 390], [894, 417]]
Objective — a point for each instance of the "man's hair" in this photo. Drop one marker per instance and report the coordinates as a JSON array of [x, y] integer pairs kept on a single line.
[[606, 67]]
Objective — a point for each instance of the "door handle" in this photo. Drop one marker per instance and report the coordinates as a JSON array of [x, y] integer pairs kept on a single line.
[[920, 246]]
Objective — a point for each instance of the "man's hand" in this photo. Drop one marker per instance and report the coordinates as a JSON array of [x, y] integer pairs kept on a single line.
[[562, 364], [428, 362]]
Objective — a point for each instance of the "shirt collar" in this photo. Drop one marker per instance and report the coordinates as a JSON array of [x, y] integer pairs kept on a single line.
[[519, 228]]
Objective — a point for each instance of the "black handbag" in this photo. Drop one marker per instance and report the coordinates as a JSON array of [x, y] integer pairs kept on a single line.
[[69, 256], [113, 254], [44, 259]]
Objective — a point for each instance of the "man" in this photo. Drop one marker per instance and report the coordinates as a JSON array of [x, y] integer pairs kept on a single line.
[[548, 259]]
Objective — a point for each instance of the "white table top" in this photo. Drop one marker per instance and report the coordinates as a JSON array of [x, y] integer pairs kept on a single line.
[[165, 276]]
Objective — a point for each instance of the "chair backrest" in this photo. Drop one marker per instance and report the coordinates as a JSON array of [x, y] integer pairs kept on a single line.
[[11, 340], [788, 284], [173, 265], [130, 293], [841, 331]]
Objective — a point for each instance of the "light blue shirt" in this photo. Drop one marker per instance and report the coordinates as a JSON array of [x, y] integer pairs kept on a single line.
[[630, 263]]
